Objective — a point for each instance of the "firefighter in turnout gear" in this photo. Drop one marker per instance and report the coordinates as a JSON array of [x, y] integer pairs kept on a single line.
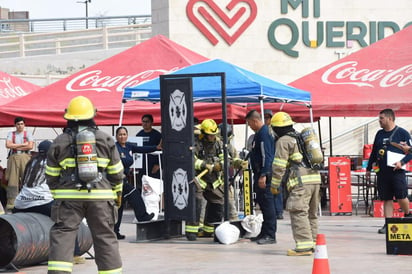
[[207, 149], [302, 182], [84, 173]]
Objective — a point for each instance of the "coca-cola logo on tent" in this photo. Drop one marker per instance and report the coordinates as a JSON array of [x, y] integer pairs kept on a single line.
[[228, 23], [95, 80], [349, 73]]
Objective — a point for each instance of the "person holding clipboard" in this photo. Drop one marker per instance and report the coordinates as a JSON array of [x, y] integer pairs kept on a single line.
[[391, 176]]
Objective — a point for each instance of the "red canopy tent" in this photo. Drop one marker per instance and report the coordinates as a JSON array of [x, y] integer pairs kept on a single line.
[[104, 82], [365, 82], [12, 88]]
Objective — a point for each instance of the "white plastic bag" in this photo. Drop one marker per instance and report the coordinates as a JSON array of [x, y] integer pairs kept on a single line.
[[252, 224], [152, 190], [227, 233]]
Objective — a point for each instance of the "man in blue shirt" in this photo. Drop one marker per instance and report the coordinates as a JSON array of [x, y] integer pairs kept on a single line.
[[262, 154], [151, 137], [391, 177]]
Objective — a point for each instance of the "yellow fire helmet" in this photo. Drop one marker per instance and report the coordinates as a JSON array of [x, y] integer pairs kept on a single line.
[[281, 119], [80, 108], [209, 126]]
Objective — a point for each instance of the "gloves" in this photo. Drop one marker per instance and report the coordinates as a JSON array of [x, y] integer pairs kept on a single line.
[[209, 167], [275, 190], [244, 164], [221, 157], [239, 163], [217, 166], [118, 201]]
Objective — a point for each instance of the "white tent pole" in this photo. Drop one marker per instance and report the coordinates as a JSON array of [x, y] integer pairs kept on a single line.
[[311, 116], [261, 109], [121, 114]]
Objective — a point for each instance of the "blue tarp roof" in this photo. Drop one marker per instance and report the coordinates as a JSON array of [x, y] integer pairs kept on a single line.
[[242, 86]]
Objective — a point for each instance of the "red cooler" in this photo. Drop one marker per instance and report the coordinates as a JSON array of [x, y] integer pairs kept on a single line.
[[340, 186]]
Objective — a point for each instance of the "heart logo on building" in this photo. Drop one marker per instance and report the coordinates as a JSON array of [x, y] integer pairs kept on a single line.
[[229, 23]]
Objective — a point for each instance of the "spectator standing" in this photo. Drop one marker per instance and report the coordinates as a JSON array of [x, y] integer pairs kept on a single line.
[[20, 142], [391, 178], [151, 137], [302, 182], [130, 193], [278, 198], [261, 158], [91, 191]]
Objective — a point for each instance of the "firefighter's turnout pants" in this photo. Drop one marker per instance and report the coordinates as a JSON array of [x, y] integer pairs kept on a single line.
[[213, 212], [302, 204], [67, 215], [16, 164]]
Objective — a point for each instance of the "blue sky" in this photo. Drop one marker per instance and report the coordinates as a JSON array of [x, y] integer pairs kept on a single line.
[[40, 9]]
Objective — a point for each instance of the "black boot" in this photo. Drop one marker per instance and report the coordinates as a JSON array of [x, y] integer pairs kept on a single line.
[[146, 217], [191, 236], [120, 236]]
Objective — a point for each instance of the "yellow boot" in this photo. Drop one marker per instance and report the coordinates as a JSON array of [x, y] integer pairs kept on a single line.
[[79, 260], [9, 205], [294, 252]]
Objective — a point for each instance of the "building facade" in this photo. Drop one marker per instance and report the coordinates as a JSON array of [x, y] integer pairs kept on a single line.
[[280, 39]]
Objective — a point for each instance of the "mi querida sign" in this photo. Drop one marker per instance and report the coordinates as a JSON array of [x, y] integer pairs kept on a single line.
[[230, 22]]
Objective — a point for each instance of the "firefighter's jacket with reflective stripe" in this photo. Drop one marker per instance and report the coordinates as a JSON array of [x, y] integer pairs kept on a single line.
[[206, 152], [289, 158], [61, 169]]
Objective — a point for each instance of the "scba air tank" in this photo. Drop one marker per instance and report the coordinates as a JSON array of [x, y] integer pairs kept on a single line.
[[86, 156], [312, 146]]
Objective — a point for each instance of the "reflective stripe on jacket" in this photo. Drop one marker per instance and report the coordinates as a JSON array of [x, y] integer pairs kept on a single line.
[[61, 167], [288, 156]]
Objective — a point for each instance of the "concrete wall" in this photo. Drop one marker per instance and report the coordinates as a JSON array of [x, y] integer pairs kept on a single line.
[[63, 64]]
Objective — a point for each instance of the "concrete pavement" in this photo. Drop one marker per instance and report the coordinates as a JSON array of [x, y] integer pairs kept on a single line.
[[352, 242]]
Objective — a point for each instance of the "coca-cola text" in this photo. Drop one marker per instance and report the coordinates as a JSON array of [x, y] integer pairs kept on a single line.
[[8, 90], [95, 81], [348, 73]]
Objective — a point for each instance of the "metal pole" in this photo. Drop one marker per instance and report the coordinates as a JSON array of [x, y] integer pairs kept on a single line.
[[225, 152], [121, 112], [320, 134], [330, 136], [262, 110], [86, 2], [87, 13]]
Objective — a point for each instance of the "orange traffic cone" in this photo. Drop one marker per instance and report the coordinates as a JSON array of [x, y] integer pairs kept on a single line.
[[321, 262]]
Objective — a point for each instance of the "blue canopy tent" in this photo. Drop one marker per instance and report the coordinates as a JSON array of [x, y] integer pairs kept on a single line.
[[235, 85], [242, 87]]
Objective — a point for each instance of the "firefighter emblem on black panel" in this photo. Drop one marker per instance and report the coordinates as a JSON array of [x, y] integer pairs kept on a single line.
[[180, 189], [178, 110]]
